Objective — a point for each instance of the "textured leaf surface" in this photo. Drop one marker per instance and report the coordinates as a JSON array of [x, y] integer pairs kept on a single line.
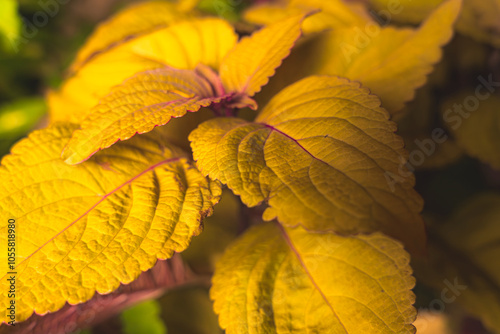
[[319, 154], [479, 132], [380, 56], [274, 280], [183, 45], [166, 274], [478, 19], [130, 23], [463, 258], [86, 228], [142, 102], [248, 66]]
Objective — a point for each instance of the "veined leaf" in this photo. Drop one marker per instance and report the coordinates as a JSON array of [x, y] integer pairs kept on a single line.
[[277, 280], [90, 227], [142, 102], [248, 66], [463, 258], [465, 123], [319, 154], [183, 45], [380, 56], [136, 20]]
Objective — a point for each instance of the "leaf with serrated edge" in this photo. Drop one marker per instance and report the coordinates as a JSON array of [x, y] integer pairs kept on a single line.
[[248, 66], [275, 280], [146, 100], [86, 228], [183, 45], [405, 56], [319, 154], [133, 21]]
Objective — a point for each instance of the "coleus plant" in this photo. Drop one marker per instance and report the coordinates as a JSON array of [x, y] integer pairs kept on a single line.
[[112, 184]]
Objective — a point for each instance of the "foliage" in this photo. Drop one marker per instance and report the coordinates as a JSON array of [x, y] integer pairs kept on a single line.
[[284, 112]]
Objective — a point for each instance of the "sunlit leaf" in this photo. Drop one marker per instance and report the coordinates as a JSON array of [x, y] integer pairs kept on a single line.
[[142, 102], [182, 45], [320, 154], [87, 228], [143, 318], [276, 280], [248, 66], [463, 259], [134, 21], [379, 57]]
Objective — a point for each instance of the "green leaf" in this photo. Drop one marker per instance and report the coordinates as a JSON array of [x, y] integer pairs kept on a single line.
[[143, 318], [276, 280], [319, 154], [87, 228]]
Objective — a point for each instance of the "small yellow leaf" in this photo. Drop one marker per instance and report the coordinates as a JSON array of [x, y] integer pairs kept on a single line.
[[479, 19], [142, 102], [380, 57], [320, 153], [87, 228], [136, 20], [248, 66], [183, 45], [475, 124], [275, 281]]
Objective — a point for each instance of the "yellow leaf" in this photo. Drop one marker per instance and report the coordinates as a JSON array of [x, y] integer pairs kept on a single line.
[[142, 102], [183, 46], [463, 259], [320, 153], [334, 14], [475, 124], [248, 66], [136, 20], [479, 19], [380, 57], [86, 228], [276, 280]]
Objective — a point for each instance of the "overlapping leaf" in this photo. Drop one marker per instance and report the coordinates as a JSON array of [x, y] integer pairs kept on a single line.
[[319, 154], [142, 102], [380, 56], [154, 97], [90, 227], [276, 280], [183, 45]]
